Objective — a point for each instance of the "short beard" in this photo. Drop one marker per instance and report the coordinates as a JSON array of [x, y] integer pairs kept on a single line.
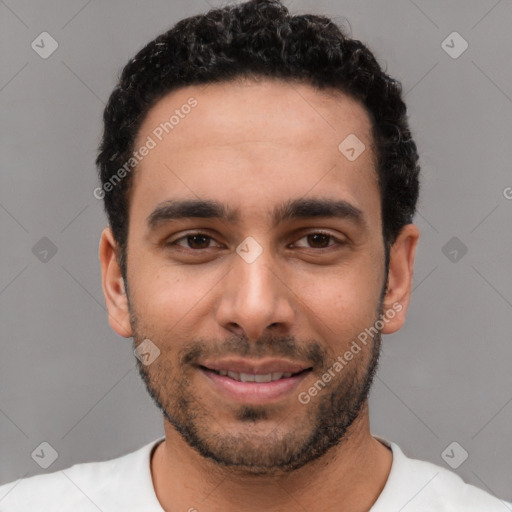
[[327, 417]]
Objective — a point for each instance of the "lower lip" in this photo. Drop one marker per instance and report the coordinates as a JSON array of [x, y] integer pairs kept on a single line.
[[254, 392]]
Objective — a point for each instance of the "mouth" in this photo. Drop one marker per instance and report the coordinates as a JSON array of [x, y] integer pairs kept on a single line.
[[256, 386], [255, 377]]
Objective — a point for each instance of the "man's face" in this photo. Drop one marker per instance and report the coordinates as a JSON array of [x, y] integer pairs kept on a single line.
[[294, 295]]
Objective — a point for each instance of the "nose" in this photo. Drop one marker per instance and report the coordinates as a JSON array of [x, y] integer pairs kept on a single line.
[[254, 298]]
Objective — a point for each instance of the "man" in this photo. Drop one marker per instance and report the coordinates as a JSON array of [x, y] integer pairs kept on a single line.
[[260, 181]]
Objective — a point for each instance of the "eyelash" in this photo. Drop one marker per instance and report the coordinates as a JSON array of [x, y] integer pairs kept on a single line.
[[197, 233]]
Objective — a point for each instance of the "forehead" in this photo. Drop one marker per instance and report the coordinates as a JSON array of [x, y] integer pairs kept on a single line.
[[245, 110], [251, 141]]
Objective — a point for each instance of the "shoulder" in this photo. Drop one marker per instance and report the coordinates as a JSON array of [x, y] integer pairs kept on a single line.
[[448, 491], [69, 488], [417, 485], [82, 487]]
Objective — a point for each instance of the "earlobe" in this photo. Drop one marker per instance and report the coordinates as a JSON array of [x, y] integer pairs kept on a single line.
[[400, 274], [113, 285]]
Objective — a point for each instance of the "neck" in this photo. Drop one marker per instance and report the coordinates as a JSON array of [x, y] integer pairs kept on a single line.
[[349, 477]]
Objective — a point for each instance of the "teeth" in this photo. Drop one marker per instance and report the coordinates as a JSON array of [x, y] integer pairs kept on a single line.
[[263, 378], [249, 377]]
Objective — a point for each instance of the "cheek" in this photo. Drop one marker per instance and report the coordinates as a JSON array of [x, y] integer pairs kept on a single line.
[[165, 294], [342, 301]]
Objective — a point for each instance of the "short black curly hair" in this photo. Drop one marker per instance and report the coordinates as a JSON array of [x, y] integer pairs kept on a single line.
[[259, 38]]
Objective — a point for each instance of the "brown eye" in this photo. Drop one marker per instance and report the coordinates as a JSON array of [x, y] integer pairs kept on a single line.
[[198, 241], [195, 241], [319, 239]]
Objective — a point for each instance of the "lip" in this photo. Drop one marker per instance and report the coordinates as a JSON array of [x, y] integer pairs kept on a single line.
[[253, 392]]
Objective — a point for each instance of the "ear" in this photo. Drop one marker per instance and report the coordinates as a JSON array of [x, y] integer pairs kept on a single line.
[[113, 285], [401, 266]]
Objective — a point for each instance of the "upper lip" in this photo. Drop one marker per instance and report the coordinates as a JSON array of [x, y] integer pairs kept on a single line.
[[256, 367]]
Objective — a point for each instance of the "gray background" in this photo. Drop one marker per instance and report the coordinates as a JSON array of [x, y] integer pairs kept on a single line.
[[67, 379]]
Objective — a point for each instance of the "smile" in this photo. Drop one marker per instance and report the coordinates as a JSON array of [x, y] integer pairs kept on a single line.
[[256, 388], [258, 377]]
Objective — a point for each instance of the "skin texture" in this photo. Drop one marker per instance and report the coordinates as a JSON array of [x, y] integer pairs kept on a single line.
[[254, 145]]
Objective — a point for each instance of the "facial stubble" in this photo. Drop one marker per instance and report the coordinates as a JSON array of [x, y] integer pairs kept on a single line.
[[293, 442]]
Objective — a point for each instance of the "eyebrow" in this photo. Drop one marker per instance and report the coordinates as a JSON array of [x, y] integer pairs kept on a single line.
[[290, 210]]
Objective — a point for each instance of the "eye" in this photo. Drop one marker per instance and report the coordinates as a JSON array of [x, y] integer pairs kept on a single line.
[[195, 241], [198, 241], [320, 240]]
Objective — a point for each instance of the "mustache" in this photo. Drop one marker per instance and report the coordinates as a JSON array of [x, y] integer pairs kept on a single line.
[[269, 346]]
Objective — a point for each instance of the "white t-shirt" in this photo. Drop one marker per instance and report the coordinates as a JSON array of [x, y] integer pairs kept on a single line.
[[125, 485]]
